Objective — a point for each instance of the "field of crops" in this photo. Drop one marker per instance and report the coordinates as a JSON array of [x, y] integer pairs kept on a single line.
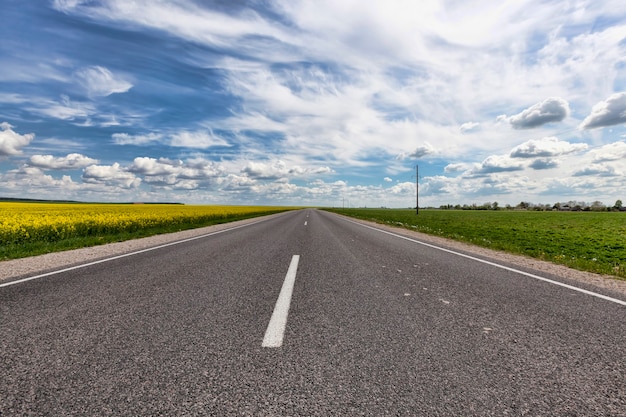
[[588, 241], [34, 228]]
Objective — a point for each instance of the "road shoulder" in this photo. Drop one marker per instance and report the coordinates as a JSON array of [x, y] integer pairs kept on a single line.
[[606, 282]]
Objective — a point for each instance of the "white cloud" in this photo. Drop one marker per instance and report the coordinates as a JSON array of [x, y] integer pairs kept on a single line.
[[469, 126], [279, 170], [197, 139], [11, 98], [111, 175], [11, 142], [420, 152], [71, 161], [182, 19], [66, 109], [274, 189], [456, 167], [438, 185], [497, 163], [609, 112], [553, 109], [546, 147], [152, 166], [598, 170], [423, 150], [27, 177], [387, 179], [127, 139], [544, 164], [67, 5], [168, 174], [611, 152], [99, 81], [404, 188]]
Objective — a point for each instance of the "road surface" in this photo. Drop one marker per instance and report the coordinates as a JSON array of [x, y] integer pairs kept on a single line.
[[308, 314]]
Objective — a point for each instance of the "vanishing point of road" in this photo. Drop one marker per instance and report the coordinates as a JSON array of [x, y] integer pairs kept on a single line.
[[307, 313]]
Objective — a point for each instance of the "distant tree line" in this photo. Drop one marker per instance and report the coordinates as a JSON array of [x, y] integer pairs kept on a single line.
[[524, 205]]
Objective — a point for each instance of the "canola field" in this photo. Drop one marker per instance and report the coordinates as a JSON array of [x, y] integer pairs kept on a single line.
[[33, 228]]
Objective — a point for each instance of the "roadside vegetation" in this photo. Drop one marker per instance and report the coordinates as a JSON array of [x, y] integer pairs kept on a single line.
[[28, 229], [589, 241]]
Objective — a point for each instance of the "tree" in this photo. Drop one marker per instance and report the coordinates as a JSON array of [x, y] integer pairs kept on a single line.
[[598, 206], [618, 204]]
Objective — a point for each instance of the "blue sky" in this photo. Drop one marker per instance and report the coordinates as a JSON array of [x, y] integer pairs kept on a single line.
[[323, 102]]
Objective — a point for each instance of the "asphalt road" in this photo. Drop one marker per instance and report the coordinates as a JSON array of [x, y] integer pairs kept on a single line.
[[377, 326]]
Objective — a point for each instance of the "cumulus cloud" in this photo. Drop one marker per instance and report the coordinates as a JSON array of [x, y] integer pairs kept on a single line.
[[71, 161], [279, 170], [11, 142], [597, 170], [611, 152], [540, 164], [456, 167], [387, 179], [320, 170], [403, 188], [99, 81], [175, 174], [419, 152], [553, 109], [609, 112], [152, 166], [272, 171], [497, 163], [438, 185], [111, 175], [546, 147], [33, 177]]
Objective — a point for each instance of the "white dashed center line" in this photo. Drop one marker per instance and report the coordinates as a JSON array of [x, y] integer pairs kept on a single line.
[[276, 328]]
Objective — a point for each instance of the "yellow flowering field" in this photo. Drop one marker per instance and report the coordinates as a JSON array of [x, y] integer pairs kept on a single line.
[[47, 223]]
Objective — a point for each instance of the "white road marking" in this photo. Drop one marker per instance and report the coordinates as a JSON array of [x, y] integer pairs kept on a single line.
[[305, 223], [537, 277], [276, 328], [125, 255]]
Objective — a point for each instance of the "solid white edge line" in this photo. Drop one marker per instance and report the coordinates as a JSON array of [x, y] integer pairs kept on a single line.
[[60, 271], [561, 284], [278, 322]]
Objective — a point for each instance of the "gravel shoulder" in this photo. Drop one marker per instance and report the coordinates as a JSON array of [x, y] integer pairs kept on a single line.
[[51, 261], [58, 260], [607, 282]]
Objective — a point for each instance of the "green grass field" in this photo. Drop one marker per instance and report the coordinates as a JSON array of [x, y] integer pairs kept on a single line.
[[588, 241]]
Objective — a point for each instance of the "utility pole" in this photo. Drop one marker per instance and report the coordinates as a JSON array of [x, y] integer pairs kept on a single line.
[[417, 190]]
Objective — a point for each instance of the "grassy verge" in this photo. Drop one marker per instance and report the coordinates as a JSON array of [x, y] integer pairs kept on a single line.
[[587, 241]]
